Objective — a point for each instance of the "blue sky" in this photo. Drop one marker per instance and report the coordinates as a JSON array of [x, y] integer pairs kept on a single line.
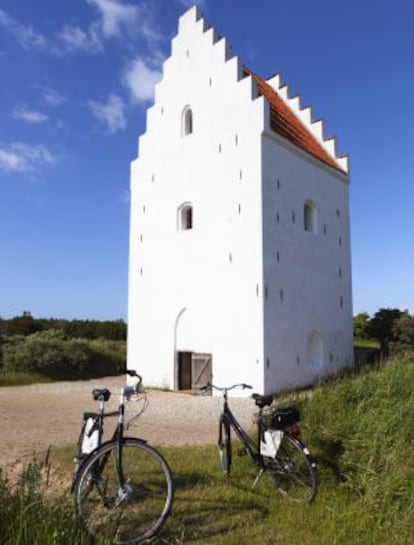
[[76, 78]]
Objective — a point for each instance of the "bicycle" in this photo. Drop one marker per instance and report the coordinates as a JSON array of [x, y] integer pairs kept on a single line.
[[123, 487], [278, 451]]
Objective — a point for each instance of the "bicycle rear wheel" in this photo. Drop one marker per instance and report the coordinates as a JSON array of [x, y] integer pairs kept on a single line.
[[128, 514], [293, 473]]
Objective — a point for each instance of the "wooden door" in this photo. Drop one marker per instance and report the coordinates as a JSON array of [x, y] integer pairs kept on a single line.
[[201, 370], [184, 370]]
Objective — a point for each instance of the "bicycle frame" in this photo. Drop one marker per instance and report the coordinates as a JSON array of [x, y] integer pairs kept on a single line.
[[228, 416], [121, 479], [118, 434], [282, 454]]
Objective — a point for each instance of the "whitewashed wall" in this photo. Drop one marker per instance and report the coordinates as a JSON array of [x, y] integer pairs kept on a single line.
[[217, 287], [196, 290], [307, 276]]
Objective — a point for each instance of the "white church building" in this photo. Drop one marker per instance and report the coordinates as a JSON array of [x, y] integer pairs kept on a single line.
[[240, 266]]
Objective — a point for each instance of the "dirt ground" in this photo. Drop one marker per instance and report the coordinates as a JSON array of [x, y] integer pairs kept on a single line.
[[34, 417]]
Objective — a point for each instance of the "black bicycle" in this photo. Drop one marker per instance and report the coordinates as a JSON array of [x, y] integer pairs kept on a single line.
[[123, 488], [278, 451]]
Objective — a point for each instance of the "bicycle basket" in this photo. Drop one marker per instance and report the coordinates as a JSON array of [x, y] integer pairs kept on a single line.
[[284, 418]]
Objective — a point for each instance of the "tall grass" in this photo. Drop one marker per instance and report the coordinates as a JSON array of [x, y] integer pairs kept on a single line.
[[29, 517], [360, 428]]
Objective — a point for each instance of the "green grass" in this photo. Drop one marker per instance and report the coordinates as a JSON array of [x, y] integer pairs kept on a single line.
[[360, 428], [366, 343], [18, 379]]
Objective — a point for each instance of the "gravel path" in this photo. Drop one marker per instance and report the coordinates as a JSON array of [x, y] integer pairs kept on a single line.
[[36, 416]]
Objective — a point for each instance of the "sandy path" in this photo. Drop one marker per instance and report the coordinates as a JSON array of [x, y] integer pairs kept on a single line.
[[36, 416]]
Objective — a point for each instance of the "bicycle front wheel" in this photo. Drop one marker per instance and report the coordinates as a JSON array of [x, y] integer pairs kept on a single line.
[[293, 472], [128, 512], [224, 445]]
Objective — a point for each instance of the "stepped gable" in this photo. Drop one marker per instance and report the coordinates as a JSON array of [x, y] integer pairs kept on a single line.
[[284, 122], [287, 118]]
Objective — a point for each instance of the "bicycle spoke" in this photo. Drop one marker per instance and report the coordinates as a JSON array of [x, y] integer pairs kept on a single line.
[[292, 472], [132, 512]]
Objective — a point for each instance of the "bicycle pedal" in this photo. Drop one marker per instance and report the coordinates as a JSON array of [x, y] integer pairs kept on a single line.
[[241, 452]]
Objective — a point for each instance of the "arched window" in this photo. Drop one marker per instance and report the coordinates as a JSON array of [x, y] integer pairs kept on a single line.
[[309, 217], [185, 217], [315, 351], [187, 121]]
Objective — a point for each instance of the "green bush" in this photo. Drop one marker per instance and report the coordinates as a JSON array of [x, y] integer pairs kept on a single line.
[[50, 354]]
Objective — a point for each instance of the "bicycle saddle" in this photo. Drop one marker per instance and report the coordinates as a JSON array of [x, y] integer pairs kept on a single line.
[[101, 393], [262, 401]]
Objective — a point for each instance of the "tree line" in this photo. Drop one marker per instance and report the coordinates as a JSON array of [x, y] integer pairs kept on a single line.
[[392, 328], [113, 330], [74, 349], [61, 349]]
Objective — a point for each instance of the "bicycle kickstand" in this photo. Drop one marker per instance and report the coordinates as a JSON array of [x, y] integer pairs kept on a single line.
[[261, 471]]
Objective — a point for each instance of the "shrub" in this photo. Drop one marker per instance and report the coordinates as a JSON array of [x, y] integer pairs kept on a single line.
[[50, 354]]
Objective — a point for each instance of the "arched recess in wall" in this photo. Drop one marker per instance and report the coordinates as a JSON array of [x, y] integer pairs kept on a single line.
[[184, 330], [310, 220], [315, 351], [185, 216], [183, 348], [187, 121]]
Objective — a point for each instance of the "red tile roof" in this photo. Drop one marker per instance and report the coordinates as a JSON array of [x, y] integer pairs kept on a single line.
[[284, 122]]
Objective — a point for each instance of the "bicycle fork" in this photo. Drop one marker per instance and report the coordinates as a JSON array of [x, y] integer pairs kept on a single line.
[[124, 491]]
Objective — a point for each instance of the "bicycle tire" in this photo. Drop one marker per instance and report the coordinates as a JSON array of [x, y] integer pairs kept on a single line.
[[224, 445], [124, 516], [293, 472]]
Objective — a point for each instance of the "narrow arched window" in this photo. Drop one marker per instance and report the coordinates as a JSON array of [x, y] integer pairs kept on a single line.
[[315, 351], [187, 122], [188, 218], [185, 217], [309, 217]]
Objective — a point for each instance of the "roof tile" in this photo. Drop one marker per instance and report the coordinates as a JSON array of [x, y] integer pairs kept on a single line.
[[284, 122]]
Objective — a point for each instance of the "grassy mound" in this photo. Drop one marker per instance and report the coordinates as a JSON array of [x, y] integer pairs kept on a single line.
[[359, 428]]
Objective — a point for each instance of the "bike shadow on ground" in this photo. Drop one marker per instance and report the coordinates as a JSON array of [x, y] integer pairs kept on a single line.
[[329, 453], [208, 506]]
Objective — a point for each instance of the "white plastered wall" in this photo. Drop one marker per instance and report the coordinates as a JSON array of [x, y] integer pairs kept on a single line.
[[198, 290], [246, 284], [307, 276]]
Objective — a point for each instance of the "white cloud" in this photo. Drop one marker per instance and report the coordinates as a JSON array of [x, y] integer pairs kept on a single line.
[[111, 113], [76, 39], [115, 19], [21, 157], [114, 16], [52, 98], [24, 34], [140, 78], [30, 116]]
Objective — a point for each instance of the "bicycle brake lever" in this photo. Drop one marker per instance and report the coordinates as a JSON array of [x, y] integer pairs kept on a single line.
[[206, 387]]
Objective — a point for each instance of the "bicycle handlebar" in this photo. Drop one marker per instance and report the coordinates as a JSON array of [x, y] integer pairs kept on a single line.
[[209, 386], [129, 391], [133, 373]]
